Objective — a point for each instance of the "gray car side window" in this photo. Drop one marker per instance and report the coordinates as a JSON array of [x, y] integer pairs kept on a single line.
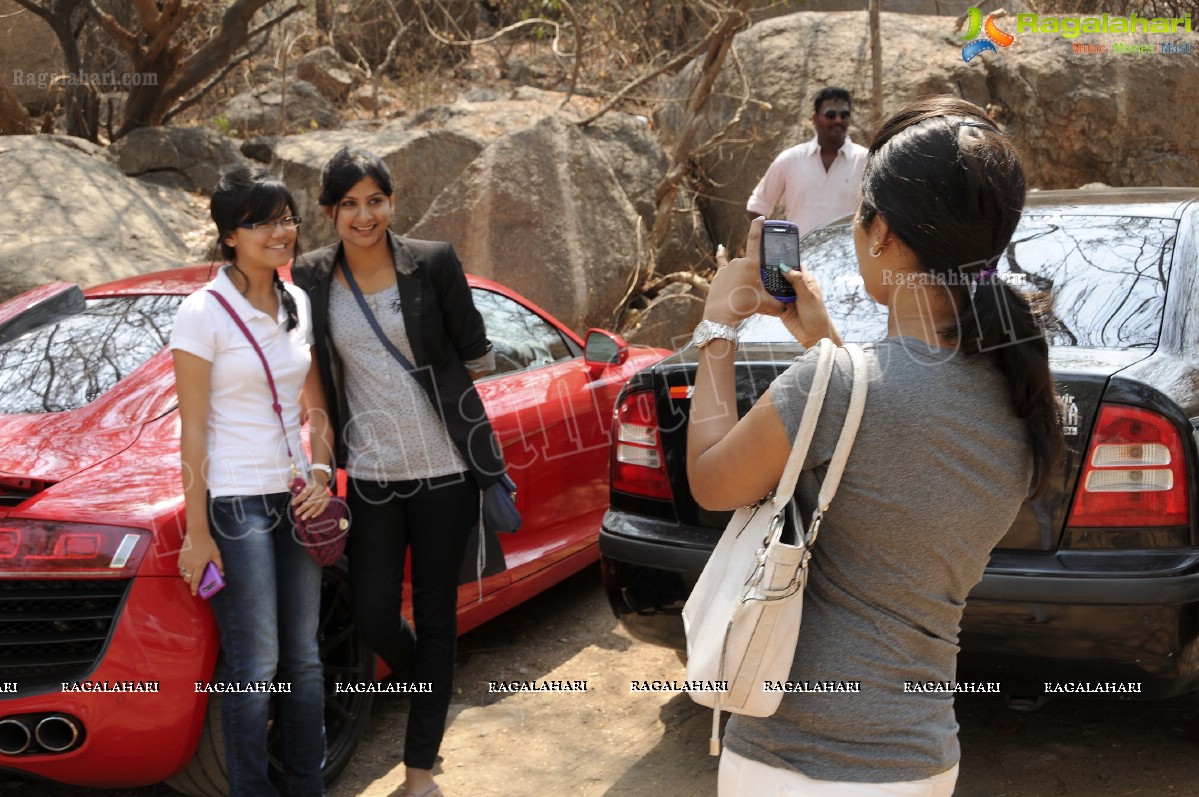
[[520, 338]]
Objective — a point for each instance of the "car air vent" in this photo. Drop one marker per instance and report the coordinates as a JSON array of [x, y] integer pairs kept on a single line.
[[17, 489], [55, 631]]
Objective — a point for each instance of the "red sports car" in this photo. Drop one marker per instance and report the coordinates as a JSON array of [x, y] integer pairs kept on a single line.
[[103, 653]]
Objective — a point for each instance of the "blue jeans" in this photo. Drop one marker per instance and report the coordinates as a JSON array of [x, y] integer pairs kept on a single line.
[[268, 615]]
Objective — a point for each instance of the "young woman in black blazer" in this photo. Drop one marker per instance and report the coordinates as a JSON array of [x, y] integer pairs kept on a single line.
[[416, 444]]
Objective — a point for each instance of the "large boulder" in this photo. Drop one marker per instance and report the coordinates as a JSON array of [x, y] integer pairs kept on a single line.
[[69, 214], [1078, 118], [421, 162], [280, 107], [489, 114], [192, 158], [543, 212], [637, 159], [425, 152]]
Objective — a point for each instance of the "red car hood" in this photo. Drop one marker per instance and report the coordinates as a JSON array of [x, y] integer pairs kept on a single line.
[[51, 447]]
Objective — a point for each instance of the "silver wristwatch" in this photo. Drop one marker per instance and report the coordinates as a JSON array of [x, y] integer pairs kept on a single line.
[[708, 331]]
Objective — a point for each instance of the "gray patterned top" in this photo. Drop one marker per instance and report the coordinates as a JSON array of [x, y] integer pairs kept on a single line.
[[394, 433]]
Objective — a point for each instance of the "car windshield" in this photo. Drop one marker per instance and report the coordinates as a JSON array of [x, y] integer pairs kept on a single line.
[[1106, 274], [70, 361]]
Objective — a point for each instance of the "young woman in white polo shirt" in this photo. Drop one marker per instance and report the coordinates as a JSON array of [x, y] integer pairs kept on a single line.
[[236, 470]]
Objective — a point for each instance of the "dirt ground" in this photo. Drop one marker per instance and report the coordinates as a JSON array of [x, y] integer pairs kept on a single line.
[[609, 741]]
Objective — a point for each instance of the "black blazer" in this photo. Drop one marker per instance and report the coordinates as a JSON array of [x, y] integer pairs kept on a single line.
[[444, 328]]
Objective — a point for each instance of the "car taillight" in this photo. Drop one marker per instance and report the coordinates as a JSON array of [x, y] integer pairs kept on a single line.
[[1134, 474], [638, 466], [37, 549]]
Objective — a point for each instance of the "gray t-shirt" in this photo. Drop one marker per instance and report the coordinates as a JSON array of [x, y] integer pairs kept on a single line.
[[935, 478]]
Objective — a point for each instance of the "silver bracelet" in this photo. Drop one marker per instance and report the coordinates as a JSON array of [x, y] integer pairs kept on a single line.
[[325, 469]]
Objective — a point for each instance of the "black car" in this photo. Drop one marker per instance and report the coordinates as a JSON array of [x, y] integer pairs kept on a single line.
[[1097, 581]]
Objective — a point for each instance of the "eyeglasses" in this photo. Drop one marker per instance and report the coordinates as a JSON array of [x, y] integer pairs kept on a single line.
[[830, 114], [287, 222]]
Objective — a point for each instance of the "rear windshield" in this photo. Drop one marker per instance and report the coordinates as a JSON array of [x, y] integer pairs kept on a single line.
[[69, 361], [1107, 276]]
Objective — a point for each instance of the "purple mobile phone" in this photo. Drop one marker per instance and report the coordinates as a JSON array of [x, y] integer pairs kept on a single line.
[[212, 582], [780, 244]]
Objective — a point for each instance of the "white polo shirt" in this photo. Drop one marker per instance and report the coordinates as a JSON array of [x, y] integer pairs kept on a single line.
[[810, 195], [247, 454]]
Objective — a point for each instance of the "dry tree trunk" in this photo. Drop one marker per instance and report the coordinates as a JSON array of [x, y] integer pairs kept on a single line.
[[876, 68], [718, 42]]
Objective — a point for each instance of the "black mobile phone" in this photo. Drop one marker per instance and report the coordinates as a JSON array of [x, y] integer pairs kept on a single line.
[[780, 244], [211, 583]]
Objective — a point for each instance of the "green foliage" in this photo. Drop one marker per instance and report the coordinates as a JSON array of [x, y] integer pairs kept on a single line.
[[547, 9]]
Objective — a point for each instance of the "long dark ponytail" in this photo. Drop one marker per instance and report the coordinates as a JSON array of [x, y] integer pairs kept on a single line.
[[950, 186], [246, 195]]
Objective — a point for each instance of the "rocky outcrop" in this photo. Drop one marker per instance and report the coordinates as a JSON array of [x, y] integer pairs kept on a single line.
[[1078, 118], [543, 212], [421, 162], [280, 107], [333, 77], [191, 158], [69, 214], [424, 152]]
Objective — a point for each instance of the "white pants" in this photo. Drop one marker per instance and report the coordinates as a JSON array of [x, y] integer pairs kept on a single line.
[[741, 777]]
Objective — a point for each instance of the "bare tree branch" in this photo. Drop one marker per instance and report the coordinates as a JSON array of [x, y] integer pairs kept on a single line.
[[718, 43], [670, 66], [213, 82]]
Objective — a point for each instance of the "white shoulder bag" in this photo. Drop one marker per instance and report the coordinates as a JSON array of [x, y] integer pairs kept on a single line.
[[742, 619]]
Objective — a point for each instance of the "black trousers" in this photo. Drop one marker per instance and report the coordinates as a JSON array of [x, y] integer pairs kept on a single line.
[[432, 518]]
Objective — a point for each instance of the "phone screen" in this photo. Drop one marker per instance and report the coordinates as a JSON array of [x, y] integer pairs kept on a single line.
[[780, 245]]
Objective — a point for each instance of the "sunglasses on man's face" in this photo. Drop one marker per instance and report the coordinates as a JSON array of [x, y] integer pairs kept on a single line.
[[830, 114]]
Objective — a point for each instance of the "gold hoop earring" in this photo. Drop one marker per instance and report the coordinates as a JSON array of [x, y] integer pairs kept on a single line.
[[876, 250]]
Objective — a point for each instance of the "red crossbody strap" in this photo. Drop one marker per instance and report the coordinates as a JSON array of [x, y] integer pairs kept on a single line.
[[270, 380]]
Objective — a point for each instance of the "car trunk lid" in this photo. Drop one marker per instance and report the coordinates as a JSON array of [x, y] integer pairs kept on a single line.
[[1082, 377]]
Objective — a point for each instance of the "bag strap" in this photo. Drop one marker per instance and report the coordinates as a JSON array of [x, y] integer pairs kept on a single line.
[[849, 431], [807, 430], [270, 379], [370, 317], [807, 424]]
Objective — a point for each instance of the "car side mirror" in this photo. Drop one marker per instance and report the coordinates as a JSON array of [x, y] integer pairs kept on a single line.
[[603, 349]]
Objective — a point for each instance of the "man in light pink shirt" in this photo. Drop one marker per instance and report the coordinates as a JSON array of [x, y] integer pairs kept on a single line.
[[818, 181]]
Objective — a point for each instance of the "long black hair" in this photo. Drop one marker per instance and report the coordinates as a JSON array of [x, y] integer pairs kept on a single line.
[[950, 186], [246, 195]]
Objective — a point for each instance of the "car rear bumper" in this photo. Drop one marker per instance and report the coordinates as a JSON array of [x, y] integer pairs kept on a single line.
[[164, 642], [1026, 624]]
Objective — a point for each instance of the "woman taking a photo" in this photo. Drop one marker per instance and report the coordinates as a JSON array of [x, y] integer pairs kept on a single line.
[[237, 472], [412, 432], [960, 427]]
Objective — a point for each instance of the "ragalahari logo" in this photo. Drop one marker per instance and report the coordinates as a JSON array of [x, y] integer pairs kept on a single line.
[[992, 35]]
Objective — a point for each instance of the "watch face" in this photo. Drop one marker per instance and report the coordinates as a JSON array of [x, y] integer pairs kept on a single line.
[[708, 331]]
